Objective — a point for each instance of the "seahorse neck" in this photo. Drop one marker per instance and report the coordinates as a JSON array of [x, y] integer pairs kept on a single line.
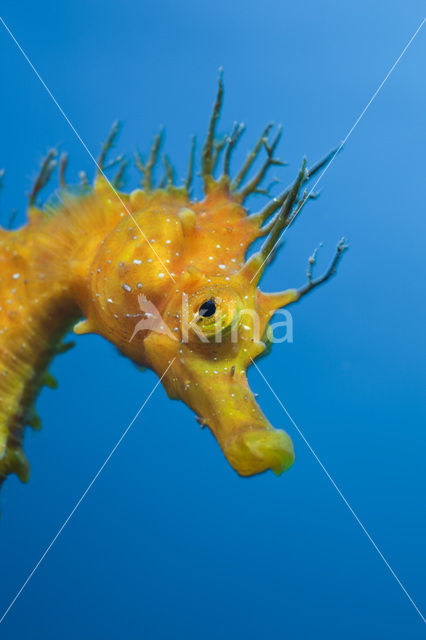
[[41, 266]]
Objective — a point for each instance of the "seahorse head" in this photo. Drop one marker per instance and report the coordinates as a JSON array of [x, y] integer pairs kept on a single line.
[[172, 287], [218, 325]]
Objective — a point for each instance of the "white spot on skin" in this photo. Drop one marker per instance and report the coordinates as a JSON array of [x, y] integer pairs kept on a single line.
[[16, 276], [135, 261], [222, 266], [161, 275], [127, 287], [109, 300]]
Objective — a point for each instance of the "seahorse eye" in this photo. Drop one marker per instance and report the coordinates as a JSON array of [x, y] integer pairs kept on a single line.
[[207, 309], [213, 311]]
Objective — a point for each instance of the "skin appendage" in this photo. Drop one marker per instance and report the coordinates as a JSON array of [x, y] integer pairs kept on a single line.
[[161, 276]]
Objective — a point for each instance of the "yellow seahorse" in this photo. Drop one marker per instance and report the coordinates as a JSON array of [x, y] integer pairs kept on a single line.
[[161, 276]]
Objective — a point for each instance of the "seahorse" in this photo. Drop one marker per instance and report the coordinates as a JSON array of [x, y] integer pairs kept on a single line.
[[95, 256]]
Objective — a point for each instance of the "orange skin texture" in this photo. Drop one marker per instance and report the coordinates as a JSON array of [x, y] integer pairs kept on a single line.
[[88, 259]]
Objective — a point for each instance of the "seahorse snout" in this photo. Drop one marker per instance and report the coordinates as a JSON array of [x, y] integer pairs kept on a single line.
[[255, 450], [219, 394]]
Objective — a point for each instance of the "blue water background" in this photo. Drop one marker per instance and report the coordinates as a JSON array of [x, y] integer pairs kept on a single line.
[[170, 542]]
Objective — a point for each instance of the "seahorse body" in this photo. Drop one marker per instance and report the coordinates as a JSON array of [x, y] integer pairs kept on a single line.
[[100, 254]]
